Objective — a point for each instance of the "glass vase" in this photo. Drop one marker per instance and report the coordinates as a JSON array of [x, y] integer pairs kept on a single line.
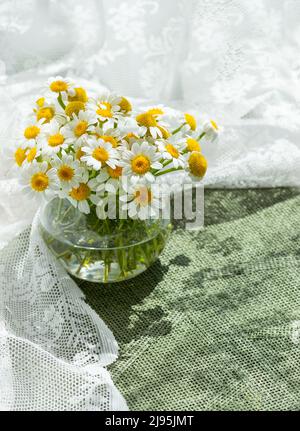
[[97, 250]]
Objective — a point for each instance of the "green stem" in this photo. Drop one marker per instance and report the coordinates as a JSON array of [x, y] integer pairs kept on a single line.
[[201, 136], [66, 213], [82, 262], [168, 171], [178, 129], [60, 101], [58, 210], [164, 165]]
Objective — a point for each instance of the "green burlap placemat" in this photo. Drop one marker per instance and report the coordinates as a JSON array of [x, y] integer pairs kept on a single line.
[[215, 324]]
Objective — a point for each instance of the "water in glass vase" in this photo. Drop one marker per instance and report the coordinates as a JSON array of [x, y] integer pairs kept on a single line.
[[97, 250]]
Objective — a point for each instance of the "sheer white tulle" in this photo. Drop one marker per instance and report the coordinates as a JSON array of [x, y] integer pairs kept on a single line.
[[235, 60]]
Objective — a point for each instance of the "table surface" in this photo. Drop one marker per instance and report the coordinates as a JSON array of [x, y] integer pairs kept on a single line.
[[215, 323]]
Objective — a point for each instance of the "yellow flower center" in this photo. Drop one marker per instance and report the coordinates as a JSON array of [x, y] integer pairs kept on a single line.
[[115, 173], [45, 113], [104, 109], [192, 145], [191, 121], [74, 108], [31, 132], [125, 105], [80, 95], [197, 164], [131, 136], [146, 120], [40, 102], [172, 150], [39, 182], [80, 193], [65, 173], [55, 140], [20, 156], [214, 124], [165, 133], [31, 154], [155, 111], [80, 128], [140, 164], [110, 139], [100, 154], [143, 196], [79, 153], [58, 86]]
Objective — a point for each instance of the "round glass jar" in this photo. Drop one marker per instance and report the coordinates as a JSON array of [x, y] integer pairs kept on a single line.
[[97, 250]]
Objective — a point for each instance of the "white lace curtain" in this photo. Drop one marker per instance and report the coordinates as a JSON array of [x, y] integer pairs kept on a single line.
[[236, 60]]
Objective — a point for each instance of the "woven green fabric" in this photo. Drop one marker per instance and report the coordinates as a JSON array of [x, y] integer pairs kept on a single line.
[[213, 324]]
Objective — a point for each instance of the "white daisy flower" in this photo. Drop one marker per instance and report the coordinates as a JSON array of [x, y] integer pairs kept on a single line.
[[76, 131], [58, 84], [196, 166], [171, 151], [211, 130], [139, 161], [191, 143], [110, 135], [106, 107], [151, 123], [33, 132], [108, 180], [142, 201], [79, 196], [38, 180], [24, 152], [69, 171], [129, 126], [44, 110], [54, 138], [180, 122], [99, 153]]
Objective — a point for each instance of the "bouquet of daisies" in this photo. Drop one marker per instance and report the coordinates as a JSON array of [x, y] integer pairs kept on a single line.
[[86, 149], [101, 166]]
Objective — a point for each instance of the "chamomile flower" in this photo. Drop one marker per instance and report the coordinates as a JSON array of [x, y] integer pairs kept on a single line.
[[129, 128], [32, 154], [190, 121], [76, 131], [108, 180], [19, 155], [112, 136], [125, 105], [38, 180], [26, 152], [79, 196], [191, 144], [54, 138], [149, 124], [197, 165], [58, 84], [139, 160], [79, 96], [106, 107], [211, 130], [32, 131], [141, 201], [99, 153], [68, 171], [44, 110], [172, 151]]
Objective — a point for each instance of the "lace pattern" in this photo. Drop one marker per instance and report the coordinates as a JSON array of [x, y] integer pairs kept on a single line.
[[48, 326]]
